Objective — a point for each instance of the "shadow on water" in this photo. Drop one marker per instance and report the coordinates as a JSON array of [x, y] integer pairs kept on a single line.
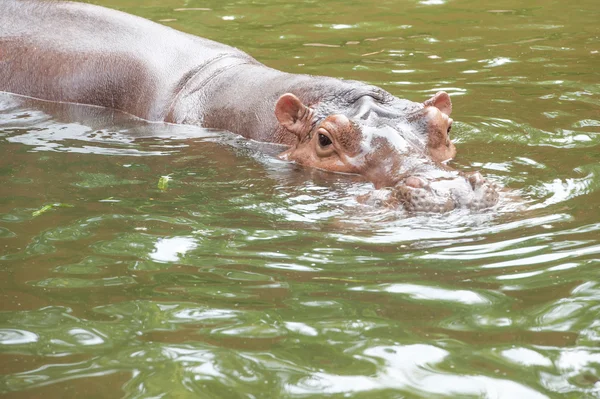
[[150, 260]]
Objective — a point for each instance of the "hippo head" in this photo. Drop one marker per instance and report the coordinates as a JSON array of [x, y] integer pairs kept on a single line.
[[399, 145]]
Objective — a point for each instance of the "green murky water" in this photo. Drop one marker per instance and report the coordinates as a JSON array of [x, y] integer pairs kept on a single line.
[[194, 264]]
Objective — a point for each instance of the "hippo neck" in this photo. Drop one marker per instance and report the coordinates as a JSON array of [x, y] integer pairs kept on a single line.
[[241, 98]]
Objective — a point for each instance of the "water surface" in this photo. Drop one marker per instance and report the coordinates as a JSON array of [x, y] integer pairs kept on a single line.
[[146, 260]]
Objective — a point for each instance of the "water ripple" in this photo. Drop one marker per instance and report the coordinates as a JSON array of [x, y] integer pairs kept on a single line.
[[247, 276]]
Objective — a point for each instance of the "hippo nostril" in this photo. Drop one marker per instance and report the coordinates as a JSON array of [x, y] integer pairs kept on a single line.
[[476, 180], [414, 182]]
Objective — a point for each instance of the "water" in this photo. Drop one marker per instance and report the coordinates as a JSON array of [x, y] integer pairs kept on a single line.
[[243, 276]]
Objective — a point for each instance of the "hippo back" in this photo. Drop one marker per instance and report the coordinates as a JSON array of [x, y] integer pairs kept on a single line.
[[80, 53]]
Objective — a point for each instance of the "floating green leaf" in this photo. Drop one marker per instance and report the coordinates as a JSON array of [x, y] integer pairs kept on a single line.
[[163, 182], [46, 208]]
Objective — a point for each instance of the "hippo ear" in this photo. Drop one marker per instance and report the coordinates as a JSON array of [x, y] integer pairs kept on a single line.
[[292, 114], [441, 100]]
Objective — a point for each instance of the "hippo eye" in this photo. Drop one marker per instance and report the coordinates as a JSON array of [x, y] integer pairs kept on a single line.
[[449, 128], [324, 141]]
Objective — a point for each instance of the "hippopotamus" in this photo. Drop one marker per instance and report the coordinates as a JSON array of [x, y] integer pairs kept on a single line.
[[86, 54]]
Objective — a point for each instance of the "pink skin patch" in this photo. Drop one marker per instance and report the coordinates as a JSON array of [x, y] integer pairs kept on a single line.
[[414, 182]]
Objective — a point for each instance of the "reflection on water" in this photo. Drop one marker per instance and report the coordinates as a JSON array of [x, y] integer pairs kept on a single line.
[[247, 276]]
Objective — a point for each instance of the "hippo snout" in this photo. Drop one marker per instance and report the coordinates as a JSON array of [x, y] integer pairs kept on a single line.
[[469, 191], [472, 191], [423, 199]]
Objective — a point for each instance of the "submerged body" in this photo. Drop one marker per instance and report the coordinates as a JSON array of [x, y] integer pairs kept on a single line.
[[85, 54]]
